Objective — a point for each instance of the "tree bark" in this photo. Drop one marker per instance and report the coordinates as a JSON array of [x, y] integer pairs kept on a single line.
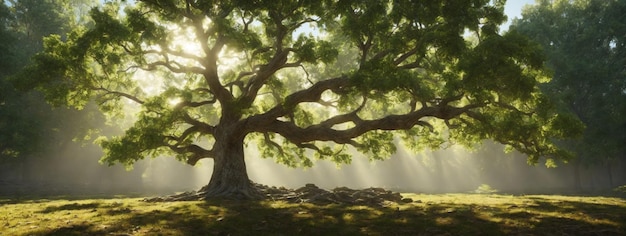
[[230, 178]]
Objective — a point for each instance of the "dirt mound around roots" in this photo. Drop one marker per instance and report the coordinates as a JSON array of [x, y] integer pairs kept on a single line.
[[342, 195], [310, 193]]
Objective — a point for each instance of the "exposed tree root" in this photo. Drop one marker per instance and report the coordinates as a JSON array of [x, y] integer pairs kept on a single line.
[[307, 194], [232, 192]]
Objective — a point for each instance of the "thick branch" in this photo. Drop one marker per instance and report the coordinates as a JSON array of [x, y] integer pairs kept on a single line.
[[299, 135], [261, 77], [168, 51], [188, 132], [204, 37], [268, 140], [211, 77], [312, 94], [278, 61], [184, 104], [196, 152], [173, 67], [405, 56], [344, 118], [513, 108], [365, 47], [193, 152], [201, 126]]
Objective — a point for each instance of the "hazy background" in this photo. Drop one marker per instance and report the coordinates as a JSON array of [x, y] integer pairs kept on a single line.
[[76, 170]]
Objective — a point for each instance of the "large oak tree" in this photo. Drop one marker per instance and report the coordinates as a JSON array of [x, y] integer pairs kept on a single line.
[[304, 79]]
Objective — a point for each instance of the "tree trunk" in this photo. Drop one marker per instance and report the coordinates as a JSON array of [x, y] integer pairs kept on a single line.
[[230, 178]]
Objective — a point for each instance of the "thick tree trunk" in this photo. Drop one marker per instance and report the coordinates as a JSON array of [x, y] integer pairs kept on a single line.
[[230, 177]]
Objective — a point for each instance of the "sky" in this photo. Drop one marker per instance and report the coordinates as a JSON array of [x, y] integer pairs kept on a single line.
[[513, 9]]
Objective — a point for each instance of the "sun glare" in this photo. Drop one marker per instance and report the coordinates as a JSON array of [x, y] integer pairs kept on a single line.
[[174, 101], [185, 40], [182, 40]]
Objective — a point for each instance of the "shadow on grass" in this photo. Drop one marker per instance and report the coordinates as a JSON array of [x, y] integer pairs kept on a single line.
[[564, 217], [221, 217], [18, 199], [74, 230], [69, 207]]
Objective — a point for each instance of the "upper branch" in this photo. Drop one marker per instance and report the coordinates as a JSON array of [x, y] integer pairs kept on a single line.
[[168, 51], [196, 152], [120, 94], [264, 73], [173, 67], [312, 94], [191, 151], [205, 37], [199, 125], [211, 76]]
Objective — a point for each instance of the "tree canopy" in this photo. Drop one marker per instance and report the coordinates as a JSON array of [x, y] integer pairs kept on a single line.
[[303, 79]]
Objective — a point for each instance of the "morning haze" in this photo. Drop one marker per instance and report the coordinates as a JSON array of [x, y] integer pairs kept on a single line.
[[312, 117]]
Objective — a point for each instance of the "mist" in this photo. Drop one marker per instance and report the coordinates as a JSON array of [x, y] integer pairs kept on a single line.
[[75, 170], [452, 170]]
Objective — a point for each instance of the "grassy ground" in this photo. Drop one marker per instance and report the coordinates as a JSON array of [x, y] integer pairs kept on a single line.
[[450, 214]]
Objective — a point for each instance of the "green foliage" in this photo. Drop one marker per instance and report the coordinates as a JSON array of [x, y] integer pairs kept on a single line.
[[584, 43], [377, 145], [502, 72], [304, 78], [29, 126]]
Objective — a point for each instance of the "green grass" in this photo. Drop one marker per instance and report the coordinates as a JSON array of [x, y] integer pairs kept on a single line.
[[449, 214]]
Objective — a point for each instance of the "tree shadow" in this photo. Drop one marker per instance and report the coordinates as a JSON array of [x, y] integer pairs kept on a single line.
[[71, 230], [537, 216], [70, 207], [566, 217], [14, 199], [266, 218]]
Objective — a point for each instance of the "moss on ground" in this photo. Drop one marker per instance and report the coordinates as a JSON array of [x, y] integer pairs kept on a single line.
[[452, 214]]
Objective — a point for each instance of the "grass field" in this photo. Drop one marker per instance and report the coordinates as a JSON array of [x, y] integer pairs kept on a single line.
[[449, 214]]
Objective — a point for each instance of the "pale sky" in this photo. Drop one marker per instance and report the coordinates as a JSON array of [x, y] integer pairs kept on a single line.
[[513, 9]]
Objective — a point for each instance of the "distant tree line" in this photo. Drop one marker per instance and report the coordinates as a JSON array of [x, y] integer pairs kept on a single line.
[[585, 44], [37, 152]]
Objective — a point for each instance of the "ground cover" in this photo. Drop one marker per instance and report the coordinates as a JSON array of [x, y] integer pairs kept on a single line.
[[447, 214]]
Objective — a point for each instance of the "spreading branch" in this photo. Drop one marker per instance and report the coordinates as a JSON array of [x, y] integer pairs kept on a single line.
[[298, 134], [193, 152], [119, 94]]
